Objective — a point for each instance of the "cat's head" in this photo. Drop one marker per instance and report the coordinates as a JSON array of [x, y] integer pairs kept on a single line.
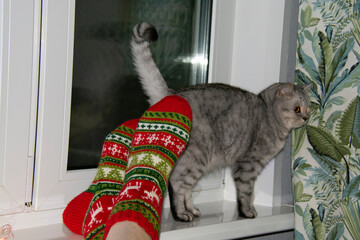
[[290, 102]]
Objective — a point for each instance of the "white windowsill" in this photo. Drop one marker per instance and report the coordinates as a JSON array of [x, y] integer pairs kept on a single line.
[[218, 221]]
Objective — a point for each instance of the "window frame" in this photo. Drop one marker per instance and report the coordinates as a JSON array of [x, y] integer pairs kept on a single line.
[[18, 102], [54, 185]]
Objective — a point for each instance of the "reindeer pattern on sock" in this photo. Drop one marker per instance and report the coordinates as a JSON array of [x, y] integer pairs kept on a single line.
[[97, 212], [152, 195], [129, 187]]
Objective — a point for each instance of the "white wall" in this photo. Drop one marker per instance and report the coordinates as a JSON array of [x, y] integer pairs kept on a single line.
[[257, 43], [255, 64]]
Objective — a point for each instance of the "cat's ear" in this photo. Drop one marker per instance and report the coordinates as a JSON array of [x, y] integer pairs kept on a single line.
[[307, 87], [286, 89]]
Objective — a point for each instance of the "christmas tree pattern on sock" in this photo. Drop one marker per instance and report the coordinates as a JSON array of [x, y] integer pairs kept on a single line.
[[161, 136], [108, 180]]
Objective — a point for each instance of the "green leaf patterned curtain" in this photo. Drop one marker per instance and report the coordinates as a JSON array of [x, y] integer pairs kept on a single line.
[[326, 164]]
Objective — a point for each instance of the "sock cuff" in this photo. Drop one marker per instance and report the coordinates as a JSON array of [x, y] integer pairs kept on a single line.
[[173, 103]]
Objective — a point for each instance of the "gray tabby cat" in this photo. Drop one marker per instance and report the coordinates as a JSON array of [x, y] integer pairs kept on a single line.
[[231, 128]]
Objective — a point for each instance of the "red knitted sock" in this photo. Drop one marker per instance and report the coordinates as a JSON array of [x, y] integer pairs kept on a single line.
[[160, 137], [108, 180]]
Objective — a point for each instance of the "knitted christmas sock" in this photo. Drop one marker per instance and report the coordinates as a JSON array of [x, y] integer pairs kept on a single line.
[[108, 180], [160, 137]]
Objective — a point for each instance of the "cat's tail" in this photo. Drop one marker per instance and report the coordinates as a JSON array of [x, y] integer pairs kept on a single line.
[[151, 79]]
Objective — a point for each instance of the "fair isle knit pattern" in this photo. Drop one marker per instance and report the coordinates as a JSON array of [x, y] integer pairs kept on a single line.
[[109, 179], [107, 183], [111, 170], [161, 136]]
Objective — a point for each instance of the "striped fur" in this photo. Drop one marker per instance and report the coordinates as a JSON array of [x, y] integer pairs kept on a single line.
[[231, 128]]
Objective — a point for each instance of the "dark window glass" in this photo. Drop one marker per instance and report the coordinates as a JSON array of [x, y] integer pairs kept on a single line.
[[106, 91]]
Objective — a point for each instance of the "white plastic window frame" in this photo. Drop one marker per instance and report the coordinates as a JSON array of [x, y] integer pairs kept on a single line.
[[54, 185], [18, 102]]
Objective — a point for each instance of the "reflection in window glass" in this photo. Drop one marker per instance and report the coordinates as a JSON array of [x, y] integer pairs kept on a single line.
[[106, 91]]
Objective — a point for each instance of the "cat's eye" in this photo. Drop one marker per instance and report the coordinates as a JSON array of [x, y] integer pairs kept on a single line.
[[297, 109], [307, 109]]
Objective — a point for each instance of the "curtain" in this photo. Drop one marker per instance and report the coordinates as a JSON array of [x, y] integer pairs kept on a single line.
[[325, 152]]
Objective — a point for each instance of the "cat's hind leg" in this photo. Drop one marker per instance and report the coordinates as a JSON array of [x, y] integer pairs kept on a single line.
[[189, 205], [179, 205], [182, 181]]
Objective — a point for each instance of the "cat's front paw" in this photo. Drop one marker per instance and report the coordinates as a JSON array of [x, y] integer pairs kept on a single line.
[[249, 212]]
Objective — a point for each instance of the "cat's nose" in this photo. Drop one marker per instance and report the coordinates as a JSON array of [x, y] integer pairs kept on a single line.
[[305, 119]]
